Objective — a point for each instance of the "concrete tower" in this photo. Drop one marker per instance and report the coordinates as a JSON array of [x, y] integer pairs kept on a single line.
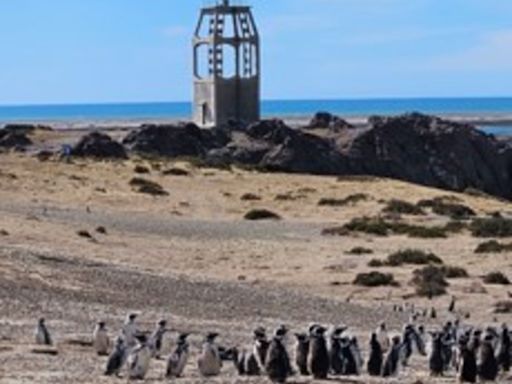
[[226, 66]]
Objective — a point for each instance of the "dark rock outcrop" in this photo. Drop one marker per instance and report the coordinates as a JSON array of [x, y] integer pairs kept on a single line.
[[175, 140], [416, 148], [13, 140], [431, 151], [26, 128], [326, 120], [99, 145]]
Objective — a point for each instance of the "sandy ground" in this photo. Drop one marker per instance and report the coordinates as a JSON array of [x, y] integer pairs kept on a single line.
[[191, 258]]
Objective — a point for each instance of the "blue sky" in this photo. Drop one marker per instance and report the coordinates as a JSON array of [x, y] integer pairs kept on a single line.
[[78, 51]]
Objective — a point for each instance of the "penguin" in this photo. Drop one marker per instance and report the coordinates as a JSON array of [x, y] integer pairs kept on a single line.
[[254, 361], [504, 356], [476, 340], [390, 367], [318, 359], [383, 337], [101, 341], [302, 353], [468, 366], [356, 352], [433, 313], [129, 330], [335, 357], [116, 359], [349, 359], [436, 360], [447, 342], [277, 362], [451, 307], [138, 360], [209, 361], [178, 359], [407, 337], [374, 365], [155, 343], [488, 367], [42, 335]]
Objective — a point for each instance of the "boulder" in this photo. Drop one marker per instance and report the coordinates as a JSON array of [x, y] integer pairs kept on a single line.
[[434, 152], [326, 120], [175, 140], [16, 140], [99, 145]]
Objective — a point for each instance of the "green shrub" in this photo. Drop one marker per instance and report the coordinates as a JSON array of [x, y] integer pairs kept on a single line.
[[372, 226], [250, 197], [452, 272], [261, 214], [174, 171], [425, 232], [376, 263], [360, 251], [412, 256], [455, 226], [493, 246], [141, 169], [335, 231], [349, 200], [375, 279], [447, 206], [430, 281], [148, 187], [403, 208], [496, 278], [491, 227]]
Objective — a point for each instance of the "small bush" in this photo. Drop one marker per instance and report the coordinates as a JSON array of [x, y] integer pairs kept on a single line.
[[250, 197], [101, 230], [360, 251], [176, 172], [376, 263], [491, 227], [372, 226], [375, 279], [349, 200], [496, 278], [261, 214], [503, 307], [148, 187], [455, 226], [141, 169], [335, 231], [453, 211], [3, 232], [425, 232], [452, 272], [85, 234], [493, 246], [403, 208], [412, 256], [430, 281]]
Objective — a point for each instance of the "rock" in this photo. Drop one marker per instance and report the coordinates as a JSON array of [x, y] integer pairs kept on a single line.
[[99, 145], [326, 120], [26, 128], [175, 140], [434, 152], [11, 139]]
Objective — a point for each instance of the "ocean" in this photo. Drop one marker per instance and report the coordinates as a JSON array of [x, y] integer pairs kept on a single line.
[[493, 109]]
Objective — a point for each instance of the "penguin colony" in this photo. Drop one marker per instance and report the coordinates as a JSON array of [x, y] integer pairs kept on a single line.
[[473, 354]]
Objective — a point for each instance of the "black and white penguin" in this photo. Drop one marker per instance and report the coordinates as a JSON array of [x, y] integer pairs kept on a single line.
[[504, 355], [178, 359], [155, 341], [448, 341], [252, 362], [451, 307], [129, 330], [335, 357], [407, 344], [277, 364], [468, 368], [42, 335], [390, 367], [433, 313], [302, 353], [260, 347], [383, 337], [374, 365], [117, 358], [356, 352], [488, 367], [209, 361], [318, 359], [100, 339], [139, 359], [436, 360], [350, 367]]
